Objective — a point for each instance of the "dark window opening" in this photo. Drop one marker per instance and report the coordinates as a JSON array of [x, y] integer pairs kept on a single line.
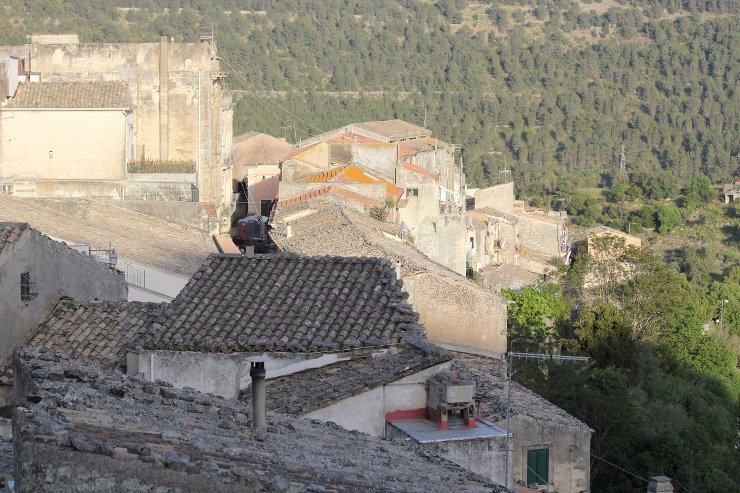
[[28, 287], [265, 207], [412, 192]]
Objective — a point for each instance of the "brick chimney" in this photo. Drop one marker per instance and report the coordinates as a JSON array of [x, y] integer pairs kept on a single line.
[[660, 484]]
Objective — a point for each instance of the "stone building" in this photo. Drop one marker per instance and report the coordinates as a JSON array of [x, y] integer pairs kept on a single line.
[[550, 448], [109, 432], [65, 131], [407, 155], [35, 273], [610, 249], [256, 170], [181, 117], [455, 311]]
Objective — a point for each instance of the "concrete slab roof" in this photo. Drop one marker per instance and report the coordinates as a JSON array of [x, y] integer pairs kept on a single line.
[[425, 431]]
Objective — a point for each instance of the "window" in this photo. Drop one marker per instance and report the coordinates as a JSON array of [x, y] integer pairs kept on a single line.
[[412, 192], [28, 287], [538, 466], [265, 207]]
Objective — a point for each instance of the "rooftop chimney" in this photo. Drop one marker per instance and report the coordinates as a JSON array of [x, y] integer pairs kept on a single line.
[[257, 372], [288, 231], [398, 269], [660, 484]]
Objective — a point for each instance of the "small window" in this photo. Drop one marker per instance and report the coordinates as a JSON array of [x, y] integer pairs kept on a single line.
[[28, 287], [538, 466], [412, 192], [265, 207]]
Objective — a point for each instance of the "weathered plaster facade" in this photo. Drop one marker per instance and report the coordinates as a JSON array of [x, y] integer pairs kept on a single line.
[[180, 111], [499, 197], [366, 412], [58, 271], [443, 238], [64, 144], [569, 452], [458, 314]]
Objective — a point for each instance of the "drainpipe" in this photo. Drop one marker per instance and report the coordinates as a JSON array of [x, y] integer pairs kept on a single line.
[[258, 373], [164, 78]]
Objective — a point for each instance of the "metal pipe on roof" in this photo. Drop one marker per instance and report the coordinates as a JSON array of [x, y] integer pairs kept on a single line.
[[258, 373]]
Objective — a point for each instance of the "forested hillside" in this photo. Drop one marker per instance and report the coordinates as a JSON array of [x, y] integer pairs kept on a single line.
[[552, 89], [554, 86]]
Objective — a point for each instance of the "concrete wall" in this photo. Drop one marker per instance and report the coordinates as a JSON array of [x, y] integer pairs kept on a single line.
[[570, 452], [63, 144], [444, 240], [499, 197], [442, 161], [366, 412], [458, 313], [484, 456], [58, 271], [218, 373]]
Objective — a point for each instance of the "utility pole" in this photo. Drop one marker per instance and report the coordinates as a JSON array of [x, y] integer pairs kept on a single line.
[[622, 161], [511, 355]]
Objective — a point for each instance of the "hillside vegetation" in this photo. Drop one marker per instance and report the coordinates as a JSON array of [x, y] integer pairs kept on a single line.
[[551, 89], [555, 87]]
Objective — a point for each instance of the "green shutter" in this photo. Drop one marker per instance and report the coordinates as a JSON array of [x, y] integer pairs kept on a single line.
[[538, 466]]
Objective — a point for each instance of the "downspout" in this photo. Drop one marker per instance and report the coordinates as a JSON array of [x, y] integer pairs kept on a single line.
[[197, 165]]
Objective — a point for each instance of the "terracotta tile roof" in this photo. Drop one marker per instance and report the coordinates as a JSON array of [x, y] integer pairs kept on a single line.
[[145, 433], [355, 173], [334, 230], [138, 238], [301, 393], [299, 304], [419, 170], [352, 138], [77, 94], [394, 130], [10, 232], [91, 332], [491, 391], [335, 190], [507, 276]]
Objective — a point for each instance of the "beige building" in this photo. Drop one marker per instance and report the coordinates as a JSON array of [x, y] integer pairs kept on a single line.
[[181, 118], [407, 155], [256, 172], [66, 131]]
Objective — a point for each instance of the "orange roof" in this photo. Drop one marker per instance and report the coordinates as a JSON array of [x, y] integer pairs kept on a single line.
[[353, 173], [419, 170], [334, 190]]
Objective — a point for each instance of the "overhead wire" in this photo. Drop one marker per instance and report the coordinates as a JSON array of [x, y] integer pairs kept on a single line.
[[295, 117]]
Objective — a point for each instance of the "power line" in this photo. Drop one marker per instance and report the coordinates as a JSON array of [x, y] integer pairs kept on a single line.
[[620, 468], [268, 127], [235, 72]]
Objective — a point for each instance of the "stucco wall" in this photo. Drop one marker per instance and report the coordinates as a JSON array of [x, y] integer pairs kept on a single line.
[[444, 240], [180, 111], [63, 144], [377, 157], [58, 271], [217, 373], [569, 456], [499, 197], [458, 313], [539, 234], [484, 456], [366, 412]]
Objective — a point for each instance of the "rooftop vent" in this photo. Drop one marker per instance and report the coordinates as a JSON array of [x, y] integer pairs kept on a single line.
[[451, 393]]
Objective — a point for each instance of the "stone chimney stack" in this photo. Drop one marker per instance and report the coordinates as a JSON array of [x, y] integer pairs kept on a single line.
[[258, 373], [398, 269], [660, 484]]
